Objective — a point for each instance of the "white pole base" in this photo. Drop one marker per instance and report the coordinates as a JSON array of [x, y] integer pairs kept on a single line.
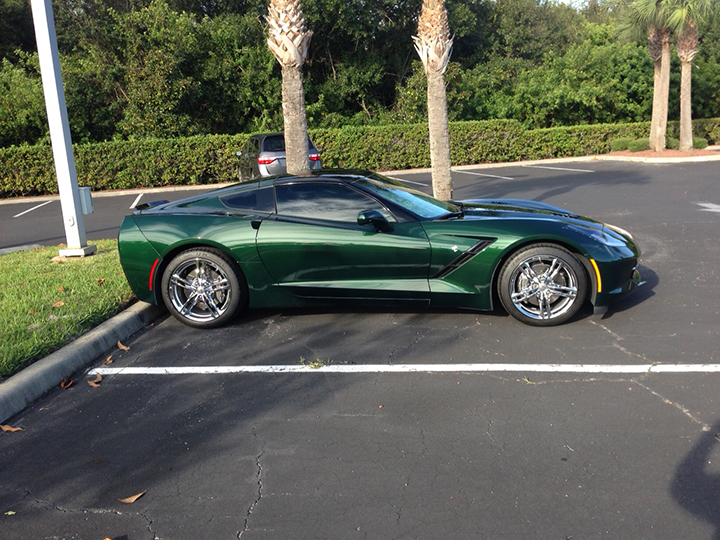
[[79, 252]]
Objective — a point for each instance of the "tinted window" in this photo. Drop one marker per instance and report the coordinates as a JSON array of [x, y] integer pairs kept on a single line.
[[260, 200], [275, 143], [416, 202], [323, 201]]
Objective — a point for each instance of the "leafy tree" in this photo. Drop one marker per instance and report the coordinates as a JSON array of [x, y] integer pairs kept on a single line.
[[16, 28], [160, 47], [23, 119], [529, 29]]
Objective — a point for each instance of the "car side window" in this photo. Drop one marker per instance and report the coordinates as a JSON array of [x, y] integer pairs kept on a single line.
[[260, 200], [332, 202]]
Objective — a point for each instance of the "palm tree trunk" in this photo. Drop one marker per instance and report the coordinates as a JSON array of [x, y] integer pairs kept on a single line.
[[686, 134], [434, 46], [289, 39], [439, 136], [295, 122], [687, 45], [664, 96]]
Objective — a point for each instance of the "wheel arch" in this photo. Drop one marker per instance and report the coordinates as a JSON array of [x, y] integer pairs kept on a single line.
[[176, 250], [572, 248]]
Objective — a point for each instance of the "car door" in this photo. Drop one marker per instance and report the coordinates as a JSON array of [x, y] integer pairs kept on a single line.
[[314, 248]]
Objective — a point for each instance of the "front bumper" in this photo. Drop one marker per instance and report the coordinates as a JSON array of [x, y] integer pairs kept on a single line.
[[604, 299]]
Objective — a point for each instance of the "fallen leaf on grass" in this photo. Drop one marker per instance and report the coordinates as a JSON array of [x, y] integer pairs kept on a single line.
[[58, 304], [122, 347], [61, 289], [96, 382], [58, 259], [5, 427], [33, 312], [66, 383], [132, 499], [101, 281]]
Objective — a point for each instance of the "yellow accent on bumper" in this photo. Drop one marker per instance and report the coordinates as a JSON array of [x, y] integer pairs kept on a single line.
[[597, 275]]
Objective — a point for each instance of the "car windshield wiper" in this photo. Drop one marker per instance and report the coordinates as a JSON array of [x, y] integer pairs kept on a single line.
[[453, 215]]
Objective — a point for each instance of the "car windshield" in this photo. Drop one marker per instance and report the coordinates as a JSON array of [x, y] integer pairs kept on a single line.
[[423, 206]]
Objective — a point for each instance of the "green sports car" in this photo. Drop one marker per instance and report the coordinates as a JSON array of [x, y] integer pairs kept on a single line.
[[353, 237]]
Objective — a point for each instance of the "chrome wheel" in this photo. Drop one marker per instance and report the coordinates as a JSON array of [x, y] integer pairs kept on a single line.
[[201, 288], [542, 285]]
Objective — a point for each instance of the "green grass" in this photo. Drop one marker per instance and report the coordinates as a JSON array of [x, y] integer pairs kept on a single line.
[[47, 304]]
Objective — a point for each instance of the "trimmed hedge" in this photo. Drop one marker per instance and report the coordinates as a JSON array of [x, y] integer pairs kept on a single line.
[[29, 170], [618, 145], [638, 145]]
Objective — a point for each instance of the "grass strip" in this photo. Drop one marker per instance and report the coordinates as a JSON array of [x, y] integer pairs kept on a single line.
[[47, 302]]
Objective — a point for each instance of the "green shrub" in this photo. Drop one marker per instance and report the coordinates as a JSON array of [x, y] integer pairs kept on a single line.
[[672, 144], [29, 170], [700, 144], [638, 145], [618, 145]]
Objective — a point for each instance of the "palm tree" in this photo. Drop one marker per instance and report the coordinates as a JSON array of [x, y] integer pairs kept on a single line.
[[683, 17], [434, 45], [288, 39], [648, 17]]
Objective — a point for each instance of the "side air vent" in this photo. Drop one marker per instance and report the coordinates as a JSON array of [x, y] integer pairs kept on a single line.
[[463, 258]]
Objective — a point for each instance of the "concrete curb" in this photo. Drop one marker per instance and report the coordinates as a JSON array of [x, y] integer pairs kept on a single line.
[[33, 382]]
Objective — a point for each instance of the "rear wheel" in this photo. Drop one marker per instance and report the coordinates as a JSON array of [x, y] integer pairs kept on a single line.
[[542, 285], [203, 288]]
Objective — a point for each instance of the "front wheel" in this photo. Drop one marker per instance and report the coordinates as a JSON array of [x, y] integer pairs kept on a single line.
[[542, 285], [203, 288]]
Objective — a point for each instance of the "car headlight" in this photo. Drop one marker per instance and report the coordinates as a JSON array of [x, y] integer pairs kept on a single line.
[[608, 238], [619, 231]]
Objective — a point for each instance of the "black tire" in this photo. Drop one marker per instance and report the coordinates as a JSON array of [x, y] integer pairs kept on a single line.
[[542, 285], [204, 288]]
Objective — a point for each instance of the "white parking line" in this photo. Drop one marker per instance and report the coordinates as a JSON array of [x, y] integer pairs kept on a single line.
[[408, 181], [709, 207], [487, 175], [416, 368], [556, 168], [137, 200], [31, 209]]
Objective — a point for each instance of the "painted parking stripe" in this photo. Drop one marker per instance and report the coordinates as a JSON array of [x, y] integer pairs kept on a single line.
[[556, 168], [137, 200], [415, 368], [31, 209], [407, 181], [486, 175], [709, 207]]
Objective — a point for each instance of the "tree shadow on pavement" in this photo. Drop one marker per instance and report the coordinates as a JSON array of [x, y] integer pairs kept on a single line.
[[695, 488]]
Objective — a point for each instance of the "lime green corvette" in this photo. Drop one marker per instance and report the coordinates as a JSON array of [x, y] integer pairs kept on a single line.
[[345, 237]]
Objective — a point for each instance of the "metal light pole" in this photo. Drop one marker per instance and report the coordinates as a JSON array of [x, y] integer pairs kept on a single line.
[[59, 130]]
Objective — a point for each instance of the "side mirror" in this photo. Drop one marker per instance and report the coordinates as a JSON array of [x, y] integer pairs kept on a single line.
[[375, 218]]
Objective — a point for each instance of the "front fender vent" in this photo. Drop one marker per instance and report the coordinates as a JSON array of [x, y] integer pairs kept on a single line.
[[464, 257]]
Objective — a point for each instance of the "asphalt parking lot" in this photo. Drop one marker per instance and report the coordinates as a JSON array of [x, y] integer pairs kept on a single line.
[[374, 424]]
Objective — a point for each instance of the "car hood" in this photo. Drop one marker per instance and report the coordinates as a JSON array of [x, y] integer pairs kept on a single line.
[[521, 209], [520, 206]]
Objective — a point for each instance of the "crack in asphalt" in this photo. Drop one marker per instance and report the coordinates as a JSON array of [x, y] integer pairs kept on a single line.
[[391, 356], [678, 406], [246, 521], [618, 338]]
